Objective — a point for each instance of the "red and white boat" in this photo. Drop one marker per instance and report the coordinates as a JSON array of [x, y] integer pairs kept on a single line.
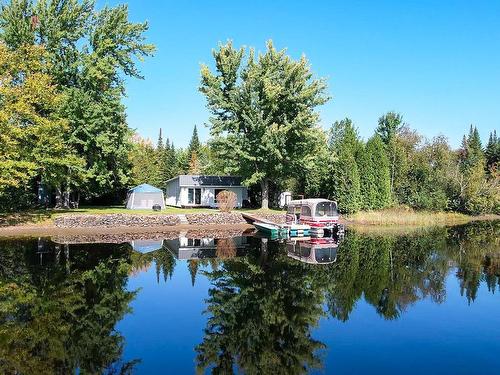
[[320, 214]]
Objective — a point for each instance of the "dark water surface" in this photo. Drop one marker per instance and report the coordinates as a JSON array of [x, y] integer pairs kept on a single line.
[[426, 302]]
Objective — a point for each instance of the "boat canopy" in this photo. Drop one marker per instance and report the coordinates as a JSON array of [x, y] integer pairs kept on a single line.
[[320, 207]]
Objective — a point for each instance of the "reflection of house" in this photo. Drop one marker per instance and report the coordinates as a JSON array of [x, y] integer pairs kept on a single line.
[[313, 251], [146, 246], [198, 248], [201, 191]]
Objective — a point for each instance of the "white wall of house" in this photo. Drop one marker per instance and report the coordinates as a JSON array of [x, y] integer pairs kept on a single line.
[[179, 195], [172, 196]]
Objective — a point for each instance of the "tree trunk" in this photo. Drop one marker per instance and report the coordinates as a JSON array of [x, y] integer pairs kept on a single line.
[[66, 196], [264, 185], [59, 198]]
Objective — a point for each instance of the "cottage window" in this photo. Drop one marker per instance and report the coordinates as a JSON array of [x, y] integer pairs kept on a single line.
[[194, 196], [217, 191], [194, 242]]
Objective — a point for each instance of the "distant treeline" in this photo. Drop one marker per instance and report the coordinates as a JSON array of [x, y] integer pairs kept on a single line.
[[64, 137]]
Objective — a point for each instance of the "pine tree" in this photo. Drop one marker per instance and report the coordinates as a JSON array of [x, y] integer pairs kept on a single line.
[[492, 152], [475, 149], [159, 145], [194, 143], [160, 161], [476, 193], [170, 165]]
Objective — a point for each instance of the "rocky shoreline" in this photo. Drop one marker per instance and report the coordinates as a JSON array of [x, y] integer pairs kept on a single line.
[[134, 221]]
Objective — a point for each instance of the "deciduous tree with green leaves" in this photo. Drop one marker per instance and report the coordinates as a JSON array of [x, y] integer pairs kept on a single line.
[[90, 52], [264, 115], [33, 137]]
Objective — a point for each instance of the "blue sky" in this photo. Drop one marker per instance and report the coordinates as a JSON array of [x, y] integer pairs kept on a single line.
[[436, 62]]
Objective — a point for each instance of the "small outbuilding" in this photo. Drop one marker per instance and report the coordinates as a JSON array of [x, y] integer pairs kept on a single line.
[[144, 197], [202, 190]]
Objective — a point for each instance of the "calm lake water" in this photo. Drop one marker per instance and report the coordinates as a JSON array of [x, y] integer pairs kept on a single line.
[[426, 302]]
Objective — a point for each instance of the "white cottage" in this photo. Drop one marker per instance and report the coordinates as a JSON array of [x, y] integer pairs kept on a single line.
[[201, 190]]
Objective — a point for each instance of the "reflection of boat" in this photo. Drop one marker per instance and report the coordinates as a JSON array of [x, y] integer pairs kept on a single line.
[[198, 248], [313, 250], [273, 230]]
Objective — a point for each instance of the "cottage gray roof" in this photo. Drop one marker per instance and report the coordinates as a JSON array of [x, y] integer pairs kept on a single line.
[[204, 180]]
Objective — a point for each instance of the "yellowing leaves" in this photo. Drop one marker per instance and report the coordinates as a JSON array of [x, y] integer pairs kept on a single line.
[[32, 136]]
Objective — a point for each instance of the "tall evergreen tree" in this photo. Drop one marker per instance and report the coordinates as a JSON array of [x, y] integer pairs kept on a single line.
[[366, 179], [194, 143], [160, 146], [160, 161], [389, 125], [375, 175], [476, 194], [343, 184], [492, 151], [474, 146]]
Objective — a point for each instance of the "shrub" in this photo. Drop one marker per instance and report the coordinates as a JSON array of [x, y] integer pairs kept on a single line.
[[226, 200]]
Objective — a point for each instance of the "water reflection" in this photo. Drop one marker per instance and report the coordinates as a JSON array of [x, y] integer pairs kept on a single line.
[[60, 302], [58, 308], [313, 250]]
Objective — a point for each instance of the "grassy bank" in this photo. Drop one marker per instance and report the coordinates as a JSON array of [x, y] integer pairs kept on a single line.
[[408, 217], [46, 217]]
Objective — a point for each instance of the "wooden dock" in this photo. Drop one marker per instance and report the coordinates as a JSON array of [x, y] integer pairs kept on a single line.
[[252, 219]]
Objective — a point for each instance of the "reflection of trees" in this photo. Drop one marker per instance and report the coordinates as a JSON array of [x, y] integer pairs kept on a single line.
[[390, 272], [476, 250], [393, 272], [261, 310], [164, 262], [262, 306], [59, 316]]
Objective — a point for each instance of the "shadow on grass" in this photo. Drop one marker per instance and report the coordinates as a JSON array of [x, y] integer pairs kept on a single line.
[[27, 217]]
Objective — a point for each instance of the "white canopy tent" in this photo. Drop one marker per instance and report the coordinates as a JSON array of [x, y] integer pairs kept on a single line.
[[144, 197]]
